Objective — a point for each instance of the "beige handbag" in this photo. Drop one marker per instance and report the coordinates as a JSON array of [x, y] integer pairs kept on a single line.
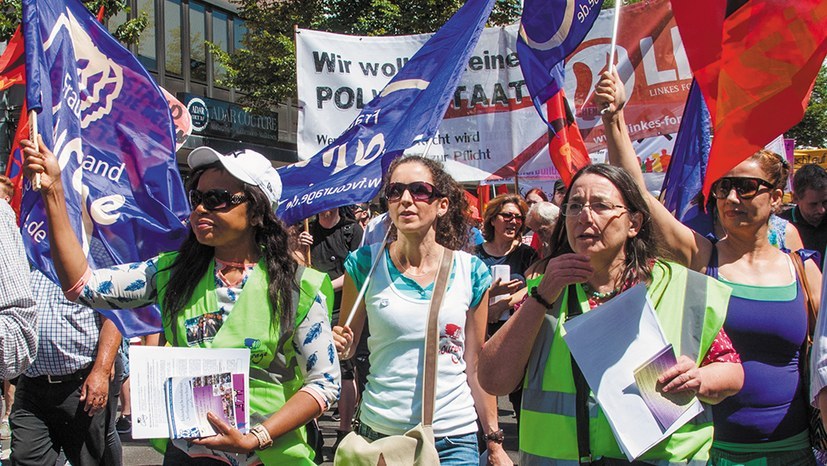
[[416, 446]]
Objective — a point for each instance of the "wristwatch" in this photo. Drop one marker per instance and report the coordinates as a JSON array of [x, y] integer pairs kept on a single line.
[[263, 436], [496, 436], [535, 293]]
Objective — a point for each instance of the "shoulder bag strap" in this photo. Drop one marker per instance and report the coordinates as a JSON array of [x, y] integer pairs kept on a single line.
[[432, 338], [581, 388], [812, 312]]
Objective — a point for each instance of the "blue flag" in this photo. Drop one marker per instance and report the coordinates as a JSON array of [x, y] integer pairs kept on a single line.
[[684, 178], [550, 30], [110, 128], [407, 111]]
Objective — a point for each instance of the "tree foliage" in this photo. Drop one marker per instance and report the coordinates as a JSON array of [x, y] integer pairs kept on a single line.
[[265, 70], [128, 32], [812, 130]]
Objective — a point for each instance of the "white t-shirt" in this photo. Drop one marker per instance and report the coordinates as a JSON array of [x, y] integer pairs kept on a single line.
[[392, 402]]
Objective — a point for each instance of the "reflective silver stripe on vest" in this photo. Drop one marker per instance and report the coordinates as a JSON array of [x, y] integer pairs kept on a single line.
[[694, 312], [549, 402], [527, 459]]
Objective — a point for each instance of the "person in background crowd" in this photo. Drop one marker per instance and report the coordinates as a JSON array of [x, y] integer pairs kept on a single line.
[[68, 398], [331, 238], [429, 214], [362, 214], [6, 194], [18, 314], [808, 216], [766, 422], [559, 193], [235, 262], [533, 196], [502, 228], [606, 245], [541, 218]]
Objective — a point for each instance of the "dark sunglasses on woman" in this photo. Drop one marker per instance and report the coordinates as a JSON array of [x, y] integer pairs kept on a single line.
[[420, 191], [508, 216], [745, 187], [215, 199]]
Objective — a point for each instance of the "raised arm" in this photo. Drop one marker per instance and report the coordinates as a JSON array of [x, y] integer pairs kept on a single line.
[[678, 242], [69, 259]]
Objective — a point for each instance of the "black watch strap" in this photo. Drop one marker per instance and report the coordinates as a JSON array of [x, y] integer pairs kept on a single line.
[[535, 293], [496, 436]]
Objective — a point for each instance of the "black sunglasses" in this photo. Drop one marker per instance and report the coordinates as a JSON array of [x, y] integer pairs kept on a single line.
[[508, 216], [215, 199], [420, 191], [745, 187]]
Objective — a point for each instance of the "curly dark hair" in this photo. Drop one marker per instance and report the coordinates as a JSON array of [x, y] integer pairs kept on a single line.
[[451, 228], [271, 236], [641, 250], [496, 206]]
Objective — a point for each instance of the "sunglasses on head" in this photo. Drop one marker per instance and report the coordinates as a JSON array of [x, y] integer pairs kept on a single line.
[[420, 191], [215, 199], [745, 187], [508, 216]]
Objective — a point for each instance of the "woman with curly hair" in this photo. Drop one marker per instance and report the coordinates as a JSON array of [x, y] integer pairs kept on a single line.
[[234, 271], [427, 209]]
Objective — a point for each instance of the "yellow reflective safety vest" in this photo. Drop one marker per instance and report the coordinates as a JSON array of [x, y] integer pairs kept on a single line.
[[691, 308], [274, 373]]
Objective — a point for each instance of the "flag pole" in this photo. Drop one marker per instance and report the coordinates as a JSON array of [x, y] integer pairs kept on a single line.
[[613, 47], [307, 258], [33, 135]]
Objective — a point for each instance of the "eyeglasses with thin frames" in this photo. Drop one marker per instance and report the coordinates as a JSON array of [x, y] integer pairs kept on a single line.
[[599, 208]]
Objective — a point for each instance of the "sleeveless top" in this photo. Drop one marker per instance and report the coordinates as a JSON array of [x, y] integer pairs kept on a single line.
[[392, 400], [767, 325]]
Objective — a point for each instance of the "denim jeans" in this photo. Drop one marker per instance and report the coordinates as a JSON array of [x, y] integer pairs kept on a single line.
[[456, 450]]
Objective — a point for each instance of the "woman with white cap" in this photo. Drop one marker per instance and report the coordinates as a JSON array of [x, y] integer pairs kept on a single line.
[[235, 272]]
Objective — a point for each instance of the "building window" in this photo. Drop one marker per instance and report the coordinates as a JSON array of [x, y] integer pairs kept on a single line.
[[220, 33], [198, 46], [172, 35], [146, 41], [239, 32]]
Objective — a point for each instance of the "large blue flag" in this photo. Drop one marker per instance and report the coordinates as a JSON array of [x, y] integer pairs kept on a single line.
[[110, 127], [407, 111], [550, 30], [684, 178]]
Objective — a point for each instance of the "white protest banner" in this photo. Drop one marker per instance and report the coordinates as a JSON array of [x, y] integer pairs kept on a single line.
[[491, 126]]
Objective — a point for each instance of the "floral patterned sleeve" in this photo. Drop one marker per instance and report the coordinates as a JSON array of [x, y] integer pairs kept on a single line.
[[124, 286], [316, 354], [721, 350]]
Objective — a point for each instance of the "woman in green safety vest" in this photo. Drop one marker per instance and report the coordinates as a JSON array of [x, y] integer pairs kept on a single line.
[[232, 284], [766, 423], [605, 246]]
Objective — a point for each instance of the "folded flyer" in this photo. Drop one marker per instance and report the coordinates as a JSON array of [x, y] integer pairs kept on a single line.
[[666, 407], [189, 399]]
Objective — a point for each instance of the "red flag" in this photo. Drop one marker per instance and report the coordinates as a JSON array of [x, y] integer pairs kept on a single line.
[[100, 14], [14, 169], [13, 62], [756, 62], [566, 148]]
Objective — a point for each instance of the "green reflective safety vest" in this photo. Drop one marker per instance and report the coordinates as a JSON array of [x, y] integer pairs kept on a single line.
[[274, 373], [691, 308]]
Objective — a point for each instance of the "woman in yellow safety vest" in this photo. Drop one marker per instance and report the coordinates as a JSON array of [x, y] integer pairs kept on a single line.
[[233, 283], [605, 246]]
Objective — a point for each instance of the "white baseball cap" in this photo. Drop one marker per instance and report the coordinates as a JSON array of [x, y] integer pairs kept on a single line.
[[246, 165]]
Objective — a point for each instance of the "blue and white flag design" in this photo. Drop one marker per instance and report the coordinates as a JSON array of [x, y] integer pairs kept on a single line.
[[407, 111], [687, 169], [110, 127], [550, 30]]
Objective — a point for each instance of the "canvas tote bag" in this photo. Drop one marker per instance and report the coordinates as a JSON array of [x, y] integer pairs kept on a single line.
[[416, 446]]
